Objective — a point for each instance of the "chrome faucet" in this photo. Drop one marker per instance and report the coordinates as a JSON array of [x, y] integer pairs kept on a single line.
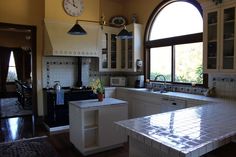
[[163, 90]]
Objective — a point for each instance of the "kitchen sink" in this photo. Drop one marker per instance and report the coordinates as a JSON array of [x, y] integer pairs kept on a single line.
[[151, 90], [160, 91]]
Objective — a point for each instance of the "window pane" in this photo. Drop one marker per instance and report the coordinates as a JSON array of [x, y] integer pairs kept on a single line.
[[176, 19], [188, 63], [160, 62], [12, 60], [11, 76]]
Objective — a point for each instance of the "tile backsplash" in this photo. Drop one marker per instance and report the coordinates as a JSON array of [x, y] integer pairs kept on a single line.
[[225, 85], [63, 69]]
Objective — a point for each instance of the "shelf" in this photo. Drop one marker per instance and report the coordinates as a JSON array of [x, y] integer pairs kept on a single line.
[[211, 57], [91, 138], [229, 39], [90, 127], [229, 21], [228, 56], [90, 118], [212, 24], [212, 41]]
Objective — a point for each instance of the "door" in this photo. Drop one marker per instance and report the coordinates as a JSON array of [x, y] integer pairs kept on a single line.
[[14, 41]]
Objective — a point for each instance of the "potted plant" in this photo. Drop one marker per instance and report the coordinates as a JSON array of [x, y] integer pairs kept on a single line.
[[98, 88]]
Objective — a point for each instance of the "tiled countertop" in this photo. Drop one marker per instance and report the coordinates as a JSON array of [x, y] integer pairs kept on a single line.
[[96, 103], [189, 132], [177, 94]]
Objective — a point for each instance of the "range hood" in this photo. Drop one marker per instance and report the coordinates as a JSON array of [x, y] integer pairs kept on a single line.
[[57, 42]]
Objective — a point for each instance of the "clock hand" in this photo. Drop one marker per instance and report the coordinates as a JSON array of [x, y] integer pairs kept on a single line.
[[74, 4]]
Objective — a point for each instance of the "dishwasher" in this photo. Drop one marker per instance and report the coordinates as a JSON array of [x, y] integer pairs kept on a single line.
[[172, 104]]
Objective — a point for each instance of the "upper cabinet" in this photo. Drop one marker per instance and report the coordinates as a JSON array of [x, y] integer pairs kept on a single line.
[[121, 54], [219, 37]]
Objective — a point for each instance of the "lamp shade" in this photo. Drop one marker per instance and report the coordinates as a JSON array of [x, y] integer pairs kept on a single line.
[[124, 34], [77, 30]]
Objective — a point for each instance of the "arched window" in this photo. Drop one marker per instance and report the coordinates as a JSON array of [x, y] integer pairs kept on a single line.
[[174, 42]]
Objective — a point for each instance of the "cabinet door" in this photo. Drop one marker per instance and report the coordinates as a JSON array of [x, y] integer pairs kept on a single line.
[[105, 55], [211, 40], [138, 108], [108, 58], [142, 107], [108, 135], [228, 39]]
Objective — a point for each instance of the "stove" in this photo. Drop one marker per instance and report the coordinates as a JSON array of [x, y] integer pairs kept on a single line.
[[57, 116]]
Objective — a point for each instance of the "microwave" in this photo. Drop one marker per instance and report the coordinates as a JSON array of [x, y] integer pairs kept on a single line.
[[118, 81]]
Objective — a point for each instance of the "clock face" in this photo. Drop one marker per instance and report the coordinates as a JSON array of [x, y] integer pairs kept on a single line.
[[73, 7]]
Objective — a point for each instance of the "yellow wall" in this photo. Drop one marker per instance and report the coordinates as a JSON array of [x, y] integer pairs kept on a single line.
[[110, 8], [54, 11]]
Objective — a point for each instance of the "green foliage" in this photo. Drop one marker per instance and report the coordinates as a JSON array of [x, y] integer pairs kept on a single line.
[[97, 86]]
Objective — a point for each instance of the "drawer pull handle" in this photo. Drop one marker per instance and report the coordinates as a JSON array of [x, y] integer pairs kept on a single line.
[[174, 103]]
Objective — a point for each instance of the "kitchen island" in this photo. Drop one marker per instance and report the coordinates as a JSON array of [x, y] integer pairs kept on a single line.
[[189, 132], [92, 127]]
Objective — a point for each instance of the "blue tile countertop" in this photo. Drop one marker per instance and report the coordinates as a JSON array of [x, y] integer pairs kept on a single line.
[[189, 132]]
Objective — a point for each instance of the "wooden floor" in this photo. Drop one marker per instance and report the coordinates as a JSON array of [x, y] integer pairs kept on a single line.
[[21, 127]]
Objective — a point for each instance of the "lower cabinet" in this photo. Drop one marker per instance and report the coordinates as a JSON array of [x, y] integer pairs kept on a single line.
[[145, 103], [142, 108], [93, 129]]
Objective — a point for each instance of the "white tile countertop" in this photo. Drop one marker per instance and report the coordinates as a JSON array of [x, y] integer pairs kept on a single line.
[[189, 132], [96, 103], [177, 94]]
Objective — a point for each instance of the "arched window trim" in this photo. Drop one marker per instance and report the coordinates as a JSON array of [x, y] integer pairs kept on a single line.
[[197, 37]]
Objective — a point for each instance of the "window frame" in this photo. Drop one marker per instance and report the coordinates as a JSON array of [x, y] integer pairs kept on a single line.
[[171, 41]]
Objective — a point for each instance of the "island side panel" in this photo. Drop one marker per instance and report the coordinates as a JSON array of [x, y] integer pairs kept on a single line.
[[108, 133]]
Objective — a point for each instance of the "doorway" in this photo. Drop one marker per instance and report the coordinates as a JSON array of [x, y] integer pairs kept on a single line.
[[19, 42]]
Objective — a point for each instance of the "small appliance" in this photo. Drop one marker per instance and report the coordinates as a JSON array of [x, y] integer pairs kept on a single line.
[[117, 81]]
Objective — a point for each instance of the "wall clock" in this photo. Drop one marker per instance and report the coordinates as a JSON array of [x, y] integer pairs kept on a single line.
[[73, 7]]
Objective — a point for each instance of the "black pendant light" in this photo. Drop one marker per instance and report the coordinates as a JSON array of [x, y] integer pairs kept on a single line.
[[124, 34], [77, 29]]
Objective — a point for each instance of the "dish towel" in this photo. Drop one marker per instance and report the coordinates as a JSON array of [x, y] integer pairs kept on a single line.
[[60, 97]]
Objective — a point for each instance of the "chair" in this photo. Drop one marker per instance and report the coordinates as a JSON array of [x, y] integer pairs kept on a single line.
[[19, 92], [27, 97]]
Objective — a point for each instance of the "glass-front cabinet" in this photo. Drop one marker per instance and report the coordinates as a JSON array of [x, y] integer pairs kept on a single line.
[[121, 54], [108, 59], [219, 37]]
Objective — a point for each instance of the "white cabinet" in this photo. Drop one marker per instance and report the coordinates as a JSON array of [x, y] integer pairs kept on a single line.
[[92, 127], [172, 104], [140, 103], [219, 37], [107, 132], [110, 92], [108, 60], [131, 49], [120, 54], [144, 105]]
